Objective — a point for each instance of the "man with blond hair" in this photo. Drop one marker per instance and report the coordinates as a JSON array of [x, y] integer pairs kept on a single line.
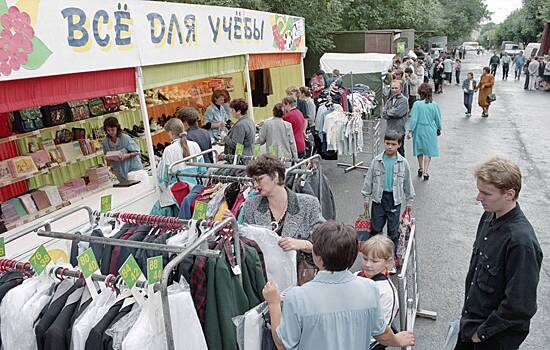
[[501, 284]]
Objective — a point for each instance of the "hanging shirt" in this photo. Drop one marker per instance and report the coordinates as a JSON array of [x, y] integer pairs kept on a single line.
[[389, 163], [95, 312]]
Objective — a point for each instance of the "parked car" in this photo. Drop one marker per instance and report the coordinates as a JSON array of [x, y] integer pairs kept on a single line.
[[532, 49]]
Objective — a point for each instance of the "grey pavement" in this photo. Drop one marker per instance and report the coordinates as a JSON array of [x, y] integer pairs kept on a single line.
[[445, 208]]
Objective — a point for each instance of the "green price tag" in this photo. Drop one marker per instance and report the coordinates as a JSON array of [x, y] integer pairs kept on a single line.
[[273, 151], [256, 150], [2, 247], [154, 269], [200, 211], [239, 149], [130, 272], [106, 202], [88, 263], [40, 259]]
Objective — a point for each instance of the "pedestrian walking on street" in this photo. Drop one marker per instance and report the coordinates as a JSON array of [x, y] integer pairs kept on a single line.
[[506, 60], [388, 185], [533, 69], [501, 284], [395, 112], [336, 310], [412, 82], [425, 127], [457, 67], [540, 78], [485, 89], [469, 87], [448, 69], [519, 62], [494, 62], [546, 74], [438, 77], [526, 72]]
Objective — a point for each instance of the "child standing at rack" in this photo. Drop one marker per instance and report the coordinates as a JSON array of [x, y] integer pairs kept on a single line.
[[388, 184]]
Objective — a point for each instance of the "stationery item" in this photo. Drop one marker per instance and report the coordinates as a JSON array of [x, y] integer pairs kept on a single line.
[[18, 205], [5, 175], [70, 151], [41, 158], [28, 203], [53, 194], [41, 199], [21, 166]]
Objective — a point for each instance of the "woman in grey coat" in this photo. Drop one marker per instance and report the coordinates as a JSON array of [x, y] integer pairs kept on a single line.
[[277, 134], [291, 215]]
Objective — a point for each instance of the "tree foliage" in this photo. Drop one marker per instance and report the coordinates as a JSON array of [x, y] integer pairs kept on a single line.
[[456, 19], [523, 25]]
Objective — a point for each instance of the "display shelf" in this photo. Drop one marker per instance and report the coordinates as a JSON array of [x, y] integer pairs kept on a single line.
[[31, 217], [59, 127], [47, 170], [26, 177]]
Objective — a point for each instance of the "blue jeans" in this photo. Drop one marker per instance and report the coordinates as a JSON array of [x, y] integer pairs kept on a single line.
[[468, 99], [383, 212]]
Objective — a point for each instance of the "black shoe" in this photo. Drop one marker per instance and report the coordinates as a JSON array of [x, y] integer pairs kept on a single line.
[[426, 177], [420, 171]]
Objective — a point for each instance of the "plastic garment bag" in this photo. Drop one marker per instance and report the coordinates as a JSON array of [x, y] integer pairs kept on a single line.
[[250, 328], [148, 331], [120, 330], [280, 265], [452, 335], [19, 310], [90, 317]]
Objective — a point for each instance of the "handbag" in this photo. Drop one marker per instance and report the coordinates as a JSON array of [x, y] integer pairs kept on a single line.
[[405, 226], [306, 268], [111, 102], [363, 226], [5, 125], [79, 110], [491, 98], [96, 107], [27, 120], [56, 114]]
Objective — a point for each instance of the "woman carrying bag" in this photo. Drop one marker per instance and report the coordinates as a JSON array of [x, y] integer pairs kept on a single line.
[[485, 88]]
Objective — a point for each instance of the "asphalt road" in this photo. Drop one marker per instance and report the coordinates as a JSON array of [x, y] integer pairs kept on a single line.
[[445, 208]]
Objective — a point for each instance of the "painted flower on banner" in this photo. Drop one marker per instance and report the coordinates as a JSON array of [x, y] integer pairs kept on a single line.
[[287, 32], [19, 47]]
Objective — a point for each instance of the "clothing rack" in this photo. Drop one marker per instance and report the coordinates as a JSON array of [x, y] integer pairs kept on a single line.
[[354, 164], [7, 265], [219, 178], [307, 162], [231, 157], [196, 247]]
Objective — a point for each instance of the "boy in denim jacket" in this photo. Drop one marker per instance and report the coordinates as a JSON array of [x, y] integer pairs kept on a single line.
[[388, 184]]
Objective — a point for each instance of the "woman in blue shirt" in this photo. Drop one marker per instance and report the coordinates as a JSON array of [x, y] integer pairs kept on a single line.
[[217, 115], [336, 310], [115, 140]]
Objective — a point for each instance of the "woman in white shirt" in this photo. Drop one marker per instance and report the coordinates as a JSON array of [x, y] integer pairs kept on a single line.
[[179, 149]]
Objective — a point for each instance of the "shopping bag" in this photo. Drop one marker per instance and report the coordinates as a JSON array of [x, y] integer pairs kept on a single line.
[[405, 225], [363, 226], [452, 335]]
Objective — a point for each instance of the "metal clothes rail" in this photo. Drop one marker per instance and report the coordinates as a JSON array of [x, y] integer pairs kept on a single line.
[[199, 247], [407, 287]]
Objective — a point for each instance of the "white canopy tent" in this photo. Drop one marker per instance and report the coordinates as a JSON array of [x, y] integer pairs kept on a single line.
[[356, 63]]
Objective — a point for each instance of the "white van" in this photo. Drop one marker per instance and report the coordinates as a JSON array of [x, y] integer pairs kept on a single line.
[[532, 49]]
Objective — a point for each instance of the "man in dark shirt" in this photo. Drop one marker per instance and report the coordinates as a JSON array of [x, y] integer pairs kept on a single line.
[[501, 285], [189, 116]]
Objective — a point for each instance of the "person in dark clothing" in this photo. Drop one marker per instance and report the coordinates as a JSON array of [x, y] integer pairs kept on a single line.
[[494, 62], [438, 76], [189, 116], [501, 284]]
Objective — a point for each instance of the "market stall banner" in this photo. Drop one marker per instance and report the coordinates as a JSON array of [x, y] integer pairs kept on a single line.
[[52, 37]]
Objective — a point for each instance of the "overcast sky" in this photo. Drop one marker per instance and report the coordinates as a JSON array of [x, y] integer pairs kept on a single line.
[[502, 8]]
